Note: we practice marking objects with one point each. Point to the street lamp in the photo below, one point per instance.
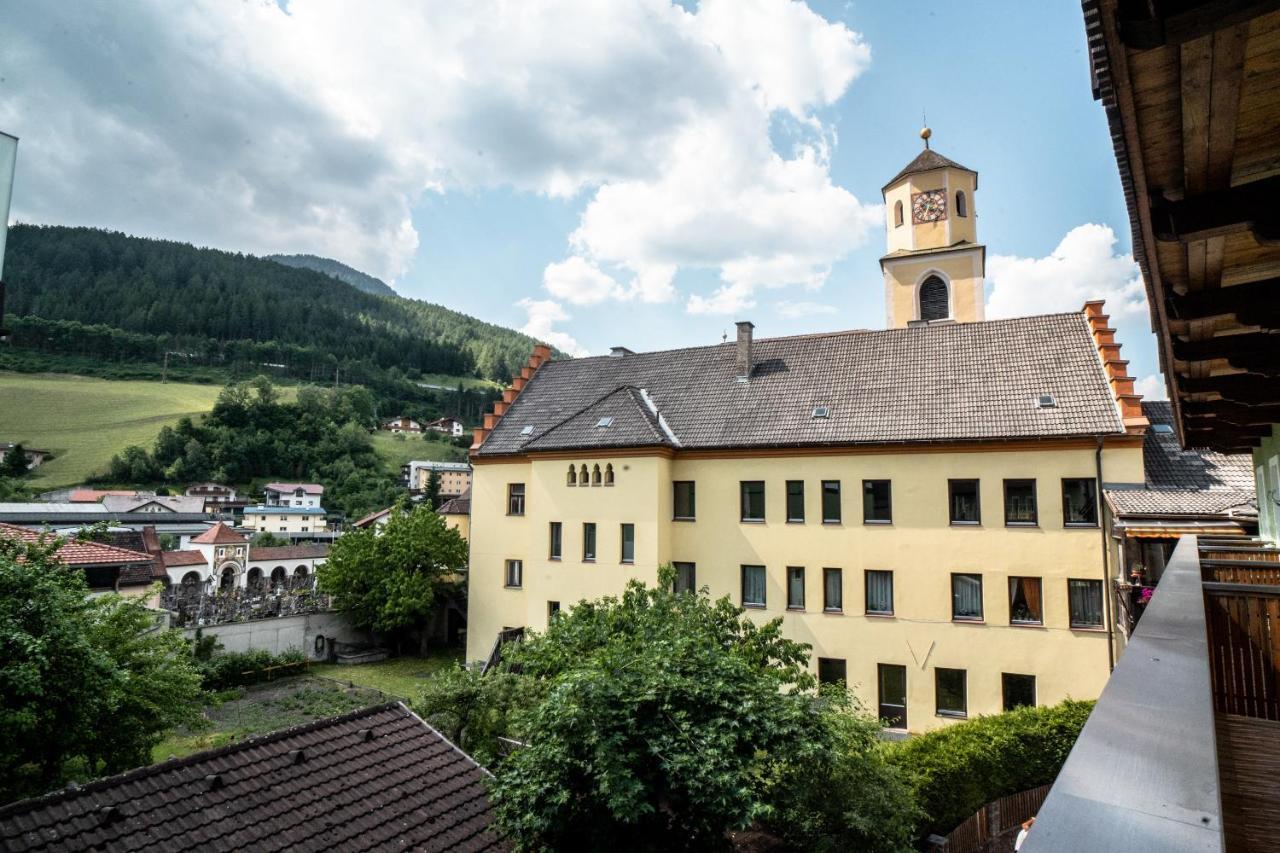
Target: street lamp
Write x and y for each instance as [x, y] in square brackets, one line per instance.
[8, 161]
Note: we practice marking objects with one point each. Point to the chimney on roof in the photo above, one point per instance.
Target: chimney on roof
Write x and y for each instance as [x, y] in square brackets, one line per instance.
[743, 363]
[619, 352]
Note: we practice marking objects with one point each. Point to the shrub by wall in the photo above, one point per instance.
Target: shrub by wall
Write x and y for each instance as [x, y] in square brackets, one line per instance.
[957, 770]
[234, 669]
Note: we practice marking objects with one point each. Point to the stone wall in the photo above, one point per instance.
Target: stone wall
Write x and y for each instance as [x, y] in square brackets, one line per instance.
[314, 633]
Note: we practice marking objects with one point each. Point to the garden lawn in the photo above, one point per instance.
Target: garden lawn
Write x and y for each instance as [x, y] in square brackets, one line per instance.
[395, 677]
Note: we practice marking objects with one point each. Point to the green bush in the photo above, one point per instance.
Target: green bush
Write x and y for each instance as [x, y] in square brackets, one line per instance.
[235, 669]
[957, 770]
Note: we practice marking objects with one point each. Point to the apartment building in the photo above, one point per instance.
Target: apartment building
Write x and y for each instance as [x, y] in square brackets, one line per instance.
[920, 504]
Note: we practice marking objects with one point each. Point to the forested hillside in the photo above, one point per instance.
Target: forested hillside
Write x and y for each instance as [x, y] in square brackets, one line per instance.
[92, 294]
[340, 271]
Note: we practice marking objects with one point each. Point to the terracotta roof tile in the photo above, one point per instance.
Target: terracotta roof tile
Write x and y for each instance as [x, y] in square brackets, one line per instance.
[405, 787]
[75, 553]
[219, 534]
[289, 552]
[175, 559]
[944, 382]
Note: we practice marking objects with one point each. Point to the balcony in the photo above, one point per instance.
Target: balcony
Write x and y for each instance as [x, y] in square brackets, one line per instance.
[1182, 751]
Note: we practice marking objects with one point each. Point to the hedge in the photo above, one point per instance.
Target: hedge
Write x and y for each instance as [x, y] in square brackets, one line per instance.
[957, 770]
[234, 669]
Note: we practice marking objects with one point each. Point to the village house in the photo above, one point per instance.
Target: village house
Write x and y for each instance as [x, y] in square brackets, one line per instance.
[401, 424]
[216, 496]
[308, 495]
[920, 504]
[107, 568]
[35, 457]
[284, 519]
[455, 477]
[153, 504]
[457, 513]
[449, 426]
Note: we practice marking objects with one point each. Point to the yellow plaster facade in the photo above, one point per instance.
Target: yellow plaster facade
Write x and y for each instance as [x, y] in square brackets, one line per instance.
[921, 547]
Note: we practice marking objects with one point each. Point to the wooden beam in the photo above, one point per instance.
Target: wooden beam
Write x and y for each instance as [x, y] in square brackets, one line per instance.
[1246, 388]
[1241, 350]
[1253, 304]
[1217, 213]
[1148, 24]
[1235, 413]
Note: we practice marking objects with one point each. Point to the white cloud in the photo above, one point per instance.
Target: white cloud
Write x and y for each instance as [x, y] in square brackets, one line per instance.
[250, 127]
[543, 314]
[1152, 387]
[1083, 267]
[796, 310]
[580, 282]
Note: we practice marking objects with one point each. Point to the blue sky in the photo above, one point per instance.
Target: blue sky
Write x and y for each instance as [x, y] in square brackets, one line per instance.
[599, 173]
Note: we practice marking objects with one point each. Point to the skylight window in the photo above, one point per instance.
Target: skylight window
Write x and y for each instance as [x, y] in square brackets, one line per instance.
[1046, 401]
[604, 422]
[821, 411]
[527, 430]
[1164, 429]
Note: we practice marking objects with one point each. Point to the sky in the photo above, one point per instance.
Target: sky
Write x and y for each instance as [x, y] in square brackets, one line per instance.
[639, 173]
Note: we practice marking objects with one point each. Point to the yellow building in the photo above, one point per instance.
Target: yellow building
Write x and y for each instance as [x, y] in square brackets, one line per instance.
[284, 519]
[920, 504]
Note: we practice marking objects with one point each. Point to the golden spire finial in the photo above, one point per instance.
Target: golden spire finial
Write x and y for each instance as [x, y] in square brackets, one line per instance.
[925, 133]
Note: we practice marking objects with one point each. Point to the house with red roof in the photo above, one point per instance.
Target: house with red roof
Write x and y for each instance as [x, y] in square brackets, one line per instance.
[107, 568]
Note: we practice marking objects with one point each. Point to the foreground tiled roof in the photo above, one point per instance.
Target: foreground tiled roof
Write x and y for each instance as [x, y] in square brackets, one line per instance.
[1169, 466]
[1181, 502]
[926, 161]
[75, 553]
[289, 552]
[942, 382]
[219, 534]
[376, 779]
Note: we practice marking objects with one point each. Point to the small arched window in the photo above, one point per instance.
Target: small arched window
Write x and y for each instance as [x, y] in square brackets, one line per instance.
[897, 213]
[962, 208]
[608, 474]
[583, 477]
[300, 572]
[254, 580]
[933, 299]
[278, 577]
[572, 478]
[191, 579]
[595, 475]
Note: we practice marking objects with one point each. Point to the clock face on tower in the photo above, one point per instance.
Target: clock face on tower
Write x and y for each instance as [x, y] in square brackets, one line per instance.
[929, 206]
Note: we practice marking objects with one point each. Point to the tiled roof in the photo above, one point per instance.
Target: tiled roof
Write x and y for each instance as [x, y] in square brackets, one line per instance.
[926, 161]
[289, 552]
[621, 418]
[174, 559]
[219, 534]
[372, 517]
[942, 382]
[376, 779]
[172, 503]
[308, 488]
[461, 505]
[1181, 502]
[76, 553]
[1169, 466]
[95, 495]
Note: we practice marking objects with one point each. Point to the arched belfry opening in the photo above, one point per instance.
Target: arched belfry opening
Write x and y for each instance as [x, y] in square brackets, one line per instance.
[934, 299]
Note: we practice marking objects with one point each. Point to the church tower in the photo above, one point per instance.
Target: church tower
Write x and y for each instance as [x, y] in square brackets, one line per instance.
[935, 266]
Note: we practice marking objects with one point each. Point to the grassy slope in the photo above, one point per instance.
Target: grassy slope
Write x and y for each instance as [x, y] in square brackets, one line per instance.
[85, 421]
[395, 452]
